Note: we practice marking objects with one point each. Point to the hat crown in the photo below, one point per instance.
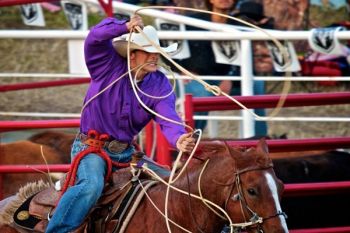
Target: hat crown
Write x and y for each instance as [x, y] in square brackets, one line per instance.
[141, 40]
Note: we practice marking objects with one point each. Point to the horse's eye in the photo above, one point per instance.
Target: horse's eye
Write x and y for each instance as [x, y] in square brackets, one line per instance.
[251, 192]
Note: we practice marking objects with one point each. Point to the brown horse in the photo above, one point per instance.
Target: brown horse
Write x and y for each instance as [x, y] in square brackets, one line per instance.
[62, 142]
[26, 153]
[58, 140]
[241, 182]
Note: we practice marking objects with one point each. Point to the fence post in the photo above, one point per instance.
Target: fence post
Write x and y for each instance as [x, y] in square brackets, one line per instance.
[149, 130]
[76, 57]
[163, 155]
[247, 124]
[189, 110]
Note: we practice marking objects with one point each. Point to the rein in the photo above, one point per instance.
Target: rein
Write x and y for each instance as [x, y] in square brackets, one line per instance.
[255, 219]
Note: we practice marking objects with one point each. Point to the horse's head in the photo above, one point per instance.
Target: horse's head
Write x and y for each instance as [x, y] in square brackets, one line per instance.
[250, 191]
[255, 195]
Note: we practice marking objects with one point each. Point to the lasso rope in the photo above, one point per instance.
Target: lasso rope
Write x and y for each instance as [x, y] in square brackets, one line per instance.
[48, 173]
[214, 89]
[135, 91]
[153, 174]
[72, 174]
[151, 96]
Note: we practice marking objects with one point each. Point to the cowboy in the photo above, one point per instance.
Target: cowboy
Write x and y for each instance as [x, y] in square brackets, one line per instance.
[113, 110]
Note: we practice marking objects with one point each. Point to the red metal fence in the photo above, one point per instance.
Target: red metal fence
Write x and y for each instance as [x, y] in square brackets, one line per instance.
[203, 104]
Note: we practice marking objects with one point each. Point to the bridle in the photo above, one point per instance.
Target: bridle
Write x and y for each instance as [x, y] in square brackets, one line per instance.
[255, 220]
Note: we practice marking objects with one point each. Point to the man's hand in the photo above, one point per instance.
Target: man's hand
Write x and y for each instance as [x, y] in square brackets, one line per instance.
[186, 142]
[134, 21]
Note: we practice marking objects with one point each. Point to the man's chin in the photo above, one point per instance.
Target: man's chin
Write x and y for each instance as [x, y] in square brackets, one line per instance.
[151, 68]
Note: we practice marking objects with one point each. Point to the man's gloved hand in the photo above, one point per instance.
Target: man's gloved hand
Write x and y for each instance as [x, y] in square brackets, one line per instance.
[186, 142]
[135, 20]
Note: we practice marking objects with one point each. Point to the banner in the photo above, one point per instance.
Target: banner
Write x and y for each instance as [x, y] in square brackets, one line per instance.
[323, 40]
[183, 50]
[32, 15]
[76, 14]
[227, 52]
[279, 60]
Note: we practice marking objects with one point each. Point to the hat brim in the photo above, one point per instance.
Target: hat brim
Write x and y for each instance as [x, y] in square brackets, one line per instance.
[121, 46]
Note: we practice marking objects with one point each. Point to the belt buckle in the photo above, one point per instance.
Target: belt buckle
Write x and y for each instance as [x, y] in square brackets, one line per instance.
[116, 147]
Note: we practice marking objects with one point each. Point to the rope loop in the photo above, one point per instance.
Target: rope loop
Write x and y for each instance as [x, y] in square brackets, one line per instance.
[214, 89]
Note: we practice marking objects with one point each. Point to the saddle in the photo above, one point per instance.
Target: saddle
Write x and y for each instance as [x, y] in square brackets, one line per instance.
[107, 215]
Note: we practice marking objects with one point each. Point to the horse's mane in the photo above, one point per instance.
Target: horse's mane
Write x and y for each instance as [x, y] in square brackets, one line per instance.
[252, 157]
[245, 157]
[6, 214]
[211, 148]
[256, 137]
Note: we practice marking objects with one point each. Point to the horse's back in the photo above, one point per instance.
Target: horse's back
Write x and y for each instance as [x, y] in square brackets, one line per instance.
[57, 140]
[28, 153]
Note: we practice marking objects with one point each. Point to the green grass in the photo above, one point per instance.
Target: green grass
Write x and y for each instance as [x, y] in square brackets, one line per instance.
[10, 18]
[324, 16]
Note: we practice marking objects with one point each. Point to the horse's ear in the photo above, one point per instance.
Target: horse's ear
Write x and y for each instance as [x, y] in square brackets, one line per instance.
[262, 147]
[208, 149]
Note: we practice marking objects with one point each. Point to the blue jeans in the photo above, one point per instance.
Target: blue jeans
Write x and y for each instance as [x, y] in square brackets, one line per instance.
[260, 126]
[77, 201]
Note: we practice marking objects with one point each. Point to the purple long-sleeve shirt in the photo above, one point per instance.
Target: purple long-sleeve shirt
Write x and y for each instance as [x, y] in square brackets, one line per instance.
[117, 111]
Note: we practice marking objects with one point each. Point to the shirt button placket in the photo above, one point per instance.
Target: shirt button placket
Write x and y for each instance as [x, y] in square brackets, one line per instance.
[125, 115]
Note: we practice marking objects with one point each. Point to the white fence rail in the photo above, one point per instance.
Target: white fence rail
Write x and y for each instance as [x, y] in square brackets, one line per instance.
[223, 32]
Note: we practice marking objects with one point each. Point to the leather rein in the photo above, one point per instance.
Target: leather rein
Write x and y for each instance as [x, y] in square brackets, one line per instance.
[255, 220]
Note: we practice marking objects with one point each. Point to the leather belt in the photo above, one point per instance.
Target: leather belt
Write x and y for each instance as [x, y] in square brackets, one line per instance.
[113, 146]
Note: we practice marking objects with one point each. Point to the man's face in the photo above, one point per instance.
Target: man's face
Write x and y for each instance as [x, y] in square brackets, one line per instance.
[141, 57]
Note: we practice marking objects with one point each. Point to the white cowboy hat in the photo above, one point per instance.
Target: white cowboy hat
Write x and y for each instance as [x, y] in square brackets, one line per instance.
[139, 42]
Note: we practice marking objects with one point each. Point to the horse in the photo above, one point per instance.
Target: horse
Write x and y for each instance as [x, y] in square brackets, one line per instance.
[60, 141]
[28, 153]
[240, 181]
[323, 167]
[319, 211]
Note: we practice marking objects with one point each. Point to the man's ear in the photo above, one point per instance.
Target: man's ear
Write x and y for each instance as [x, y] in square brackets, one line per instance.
[132, 55]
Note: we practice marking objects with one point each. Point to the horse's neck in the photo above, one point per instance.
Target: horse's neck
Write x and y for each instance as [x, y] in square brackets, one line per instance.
[199, 181]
